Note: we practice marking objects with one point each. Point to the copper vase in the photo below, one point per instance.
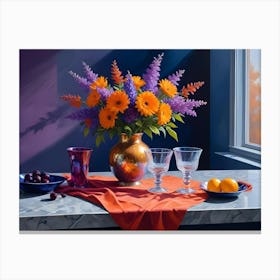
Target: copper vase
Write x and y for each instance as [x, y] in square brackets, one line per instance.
[128, 159]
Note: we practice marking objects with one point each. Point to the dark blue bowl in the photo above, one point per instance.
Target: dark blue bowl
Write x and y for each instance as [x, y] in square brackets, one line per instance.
[241, 188]
[28, 187]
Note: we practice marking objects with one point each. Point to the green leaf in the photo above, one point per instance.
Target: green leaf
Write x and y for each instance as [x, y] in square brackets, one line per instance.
[178, 118]
[86, 131]
[111, 134]
[148, 132]
[99, 138]
[154, 129]
[139, 123]
[172, 133]
[162, 129]
[127, 128]
[172, 125]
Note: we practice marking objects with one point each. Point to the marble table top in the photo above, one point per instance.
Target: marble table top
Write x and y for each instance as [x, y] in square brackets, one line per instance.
[37, 212]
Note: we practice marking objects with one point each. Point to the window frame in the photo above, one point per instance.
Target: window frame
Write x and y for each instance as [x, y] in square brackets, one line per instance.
[239, 97]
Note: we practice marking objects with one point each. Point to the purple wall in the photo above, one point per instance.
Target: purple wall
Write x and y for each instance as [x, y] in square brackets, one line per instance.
[45, 134]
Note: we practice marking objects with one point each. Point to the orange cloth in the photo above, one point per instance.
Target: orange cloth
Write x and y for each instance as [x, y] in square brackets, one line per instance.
[133, 207]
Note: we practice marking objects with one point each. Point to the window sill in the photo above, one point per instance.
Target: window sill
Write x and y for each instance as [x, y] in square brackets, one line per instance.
[245, 152]
[239, 158]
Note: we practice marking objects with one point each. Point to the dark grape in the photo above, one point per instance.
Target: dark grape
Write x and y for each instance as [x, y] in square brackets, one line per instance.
[45, 180]
[53, 195]
[45, 176]
[27, 178]
[36, 178]
[36, 172]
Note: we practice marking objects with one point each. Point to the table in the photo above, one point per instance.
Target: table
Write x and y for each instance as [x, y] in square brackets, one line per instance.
[38, 213]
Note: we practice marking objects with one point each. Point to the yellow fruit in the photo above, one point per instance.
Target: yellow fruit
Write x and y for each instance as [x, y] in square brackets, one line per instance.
[229, 185]
[214, 185]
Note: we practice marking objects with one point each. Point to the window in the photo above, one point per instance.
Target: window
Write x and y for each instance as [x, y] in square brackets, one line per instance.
[245, 138]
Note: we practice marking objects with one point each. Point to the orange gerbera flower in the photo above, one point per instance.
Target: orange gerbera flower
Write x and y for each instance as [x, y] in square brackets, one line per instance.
[93, 98]
[107, 118]
[138, 82]
[164, 114]
[167, 88]
[100, 82]
[74, 100]
[147, 103]
[118, 101]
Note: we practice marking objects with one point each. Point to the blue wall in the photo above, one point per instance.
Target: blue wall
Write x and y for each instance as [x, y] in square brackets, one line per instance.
[219, 101]
[45, 133]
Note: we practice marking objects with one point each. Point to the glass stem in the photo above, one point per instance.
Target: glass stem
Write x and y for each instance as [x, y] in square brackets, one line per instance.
[187, 177]
[158, 180]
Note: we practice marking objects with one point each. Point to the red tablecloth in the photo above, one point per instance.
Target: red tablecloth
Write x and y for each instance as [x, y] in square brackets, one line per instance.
[133, 207]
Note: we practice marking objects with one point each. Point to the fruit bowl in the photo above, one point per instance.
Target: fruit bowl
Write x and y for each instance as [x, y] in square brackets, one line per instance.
[30, 187]
[241, 188]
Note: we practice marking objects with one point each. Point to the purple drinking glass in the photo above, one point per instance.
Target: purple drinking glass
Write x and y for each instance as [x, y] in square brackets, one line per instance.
[79, 162]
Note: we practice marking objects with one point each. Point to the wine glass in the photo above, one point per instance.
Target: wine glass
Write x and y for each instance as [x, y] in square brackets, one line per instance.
[158, 164]
[187, 159]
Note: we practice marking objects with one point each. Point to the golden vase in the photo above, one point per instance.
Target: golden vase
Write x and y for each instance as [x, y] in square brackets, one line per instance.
[128, 159]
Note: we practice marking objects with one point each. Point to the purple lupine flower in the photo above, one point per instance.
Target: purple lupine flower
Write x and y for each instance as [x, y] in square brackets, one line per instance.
[91, 76]
[104, 93]
[176, 103]
[83, 82]
[86, 113]
[130, 115]
[175, 78]
[130, 89]
[152, 74]
[184, 106]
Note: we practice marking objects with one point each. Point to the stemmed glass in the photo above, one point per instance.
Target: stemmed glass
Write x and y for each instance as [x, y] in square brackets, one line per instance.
[187, 159]
[158, 164]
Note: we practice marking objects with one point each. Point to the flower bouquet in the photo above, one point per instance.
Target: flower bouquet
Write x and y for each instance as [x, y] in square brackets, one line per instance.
[129, 104]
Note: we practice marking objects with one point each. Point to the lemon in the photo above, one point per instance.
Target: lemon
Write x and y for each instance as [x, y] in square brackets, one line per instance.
[214, 185]
[229, 185]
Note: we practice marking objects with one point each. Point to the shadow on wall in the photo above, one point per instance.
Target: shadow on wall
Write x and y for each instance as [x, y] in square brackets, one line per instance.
[45, 133]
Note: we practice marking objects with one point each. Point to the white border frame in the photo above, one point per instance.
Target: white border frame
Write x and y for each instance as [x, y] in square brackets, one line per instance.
[145, 24]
